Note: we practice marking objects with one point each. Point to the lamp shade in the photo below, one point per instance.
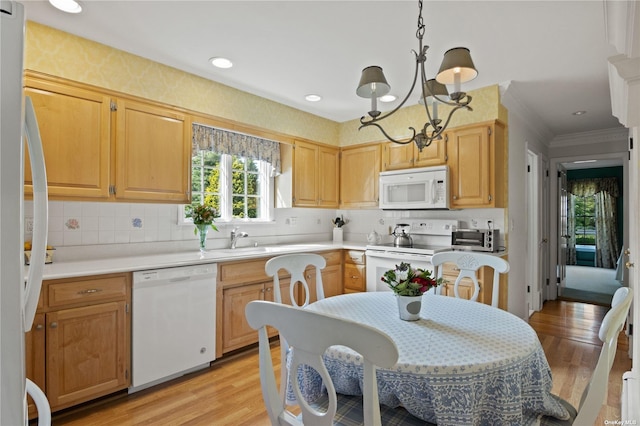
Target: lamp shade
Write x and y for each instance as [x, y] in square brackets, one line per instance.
[373, 84]
[431, 88]
[457, 61]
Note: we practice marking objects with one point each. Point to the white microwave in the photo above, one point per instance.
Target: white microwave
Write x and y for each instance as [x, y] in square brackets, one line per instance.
[415, 189]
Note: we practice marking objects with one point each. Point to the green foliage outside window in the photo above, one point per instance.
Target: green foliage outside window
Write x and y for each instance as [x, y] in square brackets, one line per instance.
[585, 220]
[208, 188]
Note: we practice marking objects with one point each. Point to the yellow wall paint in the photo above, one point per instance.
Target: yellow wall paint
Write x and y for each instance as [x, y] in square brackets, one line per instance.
[485, 103]
[64, 55]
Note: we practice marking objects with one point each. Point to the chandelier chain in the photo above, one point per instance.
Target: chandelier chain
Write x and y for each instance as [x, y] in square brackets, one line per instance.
[420, 31]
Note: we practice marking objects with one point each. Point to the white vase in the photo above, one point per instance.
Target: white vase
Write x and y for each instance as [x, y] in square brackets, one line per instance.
[337, 235]
[409, 307]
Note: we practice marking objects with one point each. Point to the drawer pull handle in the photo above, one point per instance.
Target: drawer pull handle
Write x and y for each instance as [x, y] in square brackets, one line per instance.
[54, 325]
[353, 277]
[39, 327]
[90, 291]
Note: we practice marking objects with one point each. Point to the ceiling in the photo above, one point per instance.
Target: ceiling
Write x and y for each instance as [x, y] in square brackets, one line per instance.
[554, 53]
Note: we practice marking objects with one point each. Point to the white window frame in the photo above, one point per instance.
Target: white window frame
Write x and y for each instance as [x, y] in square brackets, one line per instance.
[226, 195]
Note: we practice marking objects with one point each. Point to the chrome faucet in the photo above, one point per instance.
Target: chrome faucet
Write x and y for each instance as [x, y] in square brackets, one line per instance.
[235, 236]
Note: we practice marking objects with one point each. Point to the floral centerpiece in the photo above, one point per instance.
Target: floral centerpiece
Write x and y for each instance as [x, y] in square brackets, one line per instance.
[203, 216]
[406, 281]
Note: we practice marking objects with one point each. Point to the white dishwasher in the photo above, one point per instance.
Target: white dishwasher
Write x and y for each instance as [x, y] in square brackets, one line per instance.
[174, 323]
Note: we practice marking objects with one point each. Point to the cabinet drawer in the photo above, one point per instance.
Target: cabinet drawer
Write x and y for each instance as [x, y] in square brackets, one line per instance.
[354, 277]
[450, 272]
[332, 257]
[86, 291]
[242, 272]
[354, 256]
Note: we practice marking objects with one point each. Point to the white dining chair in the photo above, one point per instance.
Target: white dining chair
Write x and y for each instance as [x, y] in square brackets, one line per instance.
[595, 393]
[468, 264]
[310, 334]
[296, 264]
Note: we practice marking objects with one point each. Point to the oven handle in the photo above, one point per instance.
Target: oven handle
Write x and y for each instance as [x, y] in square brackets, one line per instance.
[397, 255]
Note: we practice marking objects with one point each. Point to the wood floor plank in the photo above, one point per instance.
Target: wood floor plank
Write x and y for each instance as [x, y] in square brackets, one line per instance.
[228, 393]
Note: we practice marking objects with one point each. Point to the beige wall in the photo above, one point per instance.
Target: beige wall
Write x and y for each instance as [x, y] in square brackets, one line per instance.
[64, 55]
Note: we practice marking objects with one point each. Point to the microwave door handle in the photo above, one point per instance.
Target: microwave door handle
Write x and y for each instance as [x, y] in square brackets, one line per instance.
[433, 191]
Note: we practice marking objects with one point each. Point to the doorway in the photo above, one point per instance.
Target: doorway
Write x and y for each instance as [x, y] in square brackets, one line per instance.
[585, 268]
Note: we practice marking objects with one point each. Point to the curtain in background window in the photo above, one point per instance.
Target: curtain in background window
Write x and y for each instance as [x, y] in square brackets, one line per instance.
[606, 229]
[572, 258]
[605, 190]
[226, 142]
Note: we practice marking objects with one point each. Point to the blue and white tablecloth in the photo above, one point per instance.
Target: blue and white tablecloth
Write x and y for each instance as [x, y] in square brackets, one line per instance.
[462, 363]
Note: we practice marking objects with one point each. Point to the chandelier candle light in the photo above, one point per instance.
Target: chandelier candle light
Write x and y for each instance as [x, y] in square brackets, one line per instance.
[456, 68]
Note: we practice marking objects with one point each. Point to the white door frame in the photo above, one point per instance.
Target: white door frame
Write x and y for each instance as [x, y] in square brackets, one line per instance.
[534, 238]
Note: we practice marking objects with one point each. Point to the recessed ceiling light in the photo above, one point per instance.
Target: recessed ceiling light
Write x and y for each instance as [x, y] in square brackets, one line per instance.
[584, 161]
[69, 6]
[220, 62]
[579, 112]
[388, 98]
[313, 98]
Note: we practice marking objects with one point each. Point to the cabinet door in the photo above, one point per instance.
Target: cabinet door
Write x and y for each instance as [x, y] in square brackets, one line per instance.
[471, 171]
[153, 153]
[305, 182]
[433, 155]
[328, 177]
[397, 156]
[86, 353]
[359, 170]
[75, 130]
[235, 329]
[35, 357]
[332, 280]
[465, 290]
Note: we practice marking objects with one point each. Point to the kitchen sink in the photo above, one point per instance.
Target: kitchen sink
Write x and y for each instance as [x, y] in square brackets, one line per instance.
[243, 250]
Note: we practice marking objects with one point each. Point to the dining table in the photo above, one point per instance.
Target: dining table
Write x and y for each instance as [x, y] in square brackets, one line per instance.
[460, 363]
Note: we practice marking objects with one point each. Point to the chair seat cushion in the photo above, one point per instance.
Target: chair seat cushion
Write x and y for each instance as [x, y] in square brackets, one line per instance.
[349, 412]
[552, 421]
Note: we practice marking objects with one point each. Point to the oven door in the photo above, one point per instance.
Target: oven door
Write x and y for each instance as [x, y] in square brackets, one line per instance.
[380, 261]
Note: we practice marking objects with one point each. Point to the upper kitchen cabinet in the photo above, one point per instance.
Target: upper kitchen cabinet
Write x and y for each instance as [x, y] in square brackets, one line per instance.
[477, 165]
[359, 170]
[75, 130]
[106, 146]
[405, 156]
[153, 153]
[316, 171]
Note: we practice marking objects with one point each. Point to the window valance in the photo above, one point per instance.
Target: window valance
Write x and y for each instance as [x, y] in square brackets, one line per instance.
[226, 142]
[589, 187]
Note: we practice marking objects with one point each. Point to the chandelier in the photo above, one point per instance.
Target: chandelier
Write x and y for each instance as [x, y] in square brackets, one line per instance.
[456, 68]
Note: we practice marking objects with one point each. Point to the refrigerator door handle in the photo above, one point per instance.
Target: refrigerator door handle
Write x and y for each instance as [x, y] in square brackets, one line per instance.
[40, 214]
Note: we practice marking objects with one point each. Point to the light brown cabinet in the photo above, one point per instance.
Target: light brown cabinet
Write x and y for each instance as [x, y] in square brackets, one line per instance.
[359, 170]
[316, 177]
[103, 146]
[397, 156]
[354, 271]
[79, 346]
[465, 290]
[477, 165]
[241, 282]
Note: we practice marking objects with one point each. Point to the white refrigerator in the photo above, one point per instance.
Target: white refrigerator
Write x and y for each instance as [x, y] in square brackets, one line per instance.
[18, 299]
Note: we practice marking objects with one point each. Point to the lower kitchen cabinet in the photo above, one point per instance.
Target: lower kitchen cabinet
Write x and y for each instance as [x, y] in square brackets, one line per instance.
[244, 281]
[465, 289]
[79, 346]
[354, 271]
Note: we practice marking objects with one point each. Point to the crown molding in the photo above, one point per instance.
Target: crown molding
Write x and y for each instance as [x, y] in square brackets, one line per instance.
[511, 99]
[617, 134]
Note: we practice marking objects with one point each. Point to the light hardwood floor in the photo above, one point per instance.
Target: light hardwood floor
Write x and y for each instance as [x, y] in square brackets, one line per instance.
[229, 392]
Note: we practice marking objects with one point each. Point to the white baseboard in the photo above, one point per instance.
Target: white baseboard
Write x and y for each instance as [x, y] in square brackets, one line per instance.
[630, 398]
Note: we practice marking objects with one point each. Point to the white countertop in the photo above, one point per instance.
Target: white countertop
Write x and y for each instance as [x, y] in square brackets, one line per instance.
[68, 269]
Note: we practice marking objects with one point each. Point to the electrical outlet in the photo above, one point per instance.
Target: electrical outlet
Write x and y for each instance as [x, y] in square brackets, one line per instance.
[28, 225]
[293, 221]
[474, 223]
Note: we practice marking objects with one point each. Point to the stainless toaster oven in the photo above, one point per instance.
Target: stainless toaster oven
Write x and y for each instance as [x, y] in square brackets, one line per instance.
[475, 239]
